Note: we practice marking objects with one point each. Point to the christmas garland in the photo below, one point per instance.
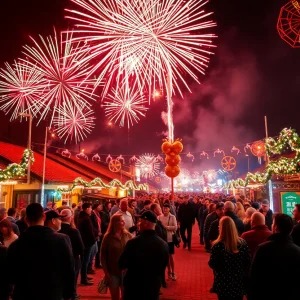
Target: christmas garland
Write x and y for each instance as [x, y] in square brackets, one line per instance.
[98, 181]
[17, 170]
[288, 138]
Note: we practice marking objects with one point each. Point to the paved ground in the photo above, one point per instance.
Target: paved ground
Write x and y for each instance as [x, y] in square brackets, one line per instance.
[194, 277]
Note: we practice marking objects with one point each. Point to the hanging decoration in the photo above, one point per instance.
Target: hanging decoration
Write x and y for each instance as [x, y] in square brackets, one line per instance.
[258, 149]
[148, 165]
[108, 159]
[133, 159]
[228, 163]
[96, 157]
[191, 156]
[66, 153]
[81, 155]
[288, 24]
[114, 165]
[235, 149]
[17, 170]
[248, 146]
[121, 158]
[130, 184]
[172, 151]
[204, 154]
[218, 151]
[288, 138]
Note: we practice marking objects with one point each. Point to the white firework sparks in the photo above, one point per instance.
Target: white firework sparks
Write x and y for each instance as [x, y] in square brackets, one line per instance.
[148, 165]
[73, 123]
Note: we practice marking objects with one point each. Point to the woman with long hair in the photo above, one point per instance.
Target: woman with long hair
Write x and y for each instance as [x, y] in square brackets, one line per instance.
[112, 246]
[7, 232]
[230, 259]
[240, 211]
[247, 220]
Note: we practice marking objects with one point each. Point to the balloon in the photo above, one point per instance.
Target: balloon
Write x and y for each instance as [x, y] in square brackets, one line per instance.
[177, 147]
[172, 160]
[166, 147]
[171, 171]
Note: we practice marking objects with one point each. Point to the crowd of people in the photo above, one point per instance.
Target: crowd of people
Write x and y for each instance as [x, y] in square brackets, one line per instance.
[46, 252]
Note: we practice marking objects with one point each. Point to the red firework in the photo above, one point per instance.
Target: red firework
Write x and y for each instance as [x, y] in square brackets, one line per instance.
[288, 25]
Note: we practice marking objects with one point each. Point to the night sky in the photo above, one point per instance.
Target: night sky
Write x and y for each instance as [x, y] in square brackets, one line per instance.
[253, 73]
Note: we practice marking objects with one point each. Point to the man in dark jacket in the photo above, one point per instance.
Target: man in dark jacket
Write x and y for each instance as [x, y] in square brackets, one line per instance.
[41, 264]
[267, 212]
[145, 257]
[186, 220]
[276, 264]
[296, 229]
[76, 242]
[215, 215]
[85, 227]
[4, 282]
[258, 234]
[213, 232]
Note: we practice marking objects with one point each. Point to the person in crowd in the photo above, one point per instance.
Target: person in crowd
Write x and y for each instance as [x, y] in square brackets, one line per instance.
[4, 215]
[64, 205]
[230, 260]
[73, 206]
[255, 205]
[77, 212]
[7, 233]
[53, 220]
[115, 208]
[76, 242]
[296, 229]
[213, 232]
[267, 212]
[147, 205]
[203, 212]
[214, 215]
[54, 206]
[4, 282]
[96, 220]
[113, 245]
[126, 215]
[258, 234]
[145, 258]
[21, 223]
[49, 206]
[41, 264]
[276, 264]
[186, 220]
[240, 211]
[105, 217]
[170, 224]
[85, 228]
[161, 231]
[246, 205]
[247, 220]
[133, 209]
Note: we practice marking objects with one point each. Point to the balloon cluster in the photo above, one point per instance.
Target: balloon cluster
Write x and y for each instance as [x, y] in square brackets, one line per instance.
[172, 159]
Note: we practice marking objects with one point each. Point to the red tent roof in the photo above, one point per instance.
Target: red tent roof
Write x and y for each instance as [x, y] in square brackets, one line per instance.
[55, 172]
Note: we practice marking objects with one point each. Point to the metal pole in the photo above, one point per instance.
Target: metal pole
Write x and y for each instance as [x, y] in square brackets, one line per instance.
[29, 147]
[270, 188]
[44, 168]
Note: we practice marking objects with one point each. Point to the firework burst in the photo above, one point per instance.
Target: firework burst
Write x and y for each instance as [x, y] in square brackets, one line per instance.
[125, 106]
[147, 39]
[58, 62]
[148, 165]
[73, 123]
[20, 89]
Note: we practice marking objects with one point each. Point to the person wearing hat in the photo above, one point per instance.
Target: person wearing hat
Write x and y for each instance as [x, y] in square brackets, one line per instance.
[267, 212]
[53, 220]
[76, 242]
[145, 257]
[41, 264]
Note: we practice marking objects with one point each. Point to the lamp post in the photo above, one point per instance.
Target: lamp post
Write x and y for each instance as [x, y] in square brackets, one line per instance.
[29, 142]
[44, 165]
